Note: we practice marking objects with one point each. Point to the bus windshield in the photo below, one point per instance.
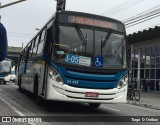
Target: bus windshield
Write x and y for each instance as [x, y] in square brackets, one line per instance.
[5, 66]
[91, 43]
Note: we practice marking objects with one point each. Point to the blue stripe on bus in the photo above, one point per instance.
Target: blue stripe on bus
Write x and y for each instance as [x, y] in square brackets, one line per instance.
[84, 80]
[52, 65]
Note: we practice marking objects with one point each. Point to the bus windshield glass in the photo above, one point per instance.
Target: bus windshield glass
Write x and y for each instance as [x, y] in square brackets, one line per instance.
[88, 44]
[5, 66]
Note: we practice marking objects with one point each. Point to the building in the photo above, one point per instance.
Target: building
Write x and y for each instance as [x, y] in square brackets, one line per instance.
[145, 58]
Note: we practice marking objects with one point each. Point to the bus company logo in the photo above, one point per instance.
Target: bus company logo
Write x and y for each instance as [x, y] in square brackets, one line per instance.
[6, 119]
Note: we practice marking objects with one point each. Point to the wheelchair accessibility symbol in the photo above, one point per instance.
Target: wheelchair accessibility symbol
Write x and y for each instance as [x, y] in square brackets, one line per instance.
[98, 61]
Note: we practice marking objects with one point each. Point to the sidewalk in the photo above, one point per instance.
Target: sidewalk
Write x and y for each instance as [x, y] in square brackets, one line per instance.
[148, 100]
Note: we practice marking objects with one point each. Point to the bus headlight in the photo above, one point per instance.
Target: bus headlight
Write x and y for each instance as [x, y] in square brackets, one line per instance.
[53, 74]
[123, 81]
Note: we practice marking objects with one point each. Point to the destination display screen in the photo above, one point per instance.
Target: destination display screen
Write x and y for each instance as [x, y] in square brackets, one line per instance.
[92, 22]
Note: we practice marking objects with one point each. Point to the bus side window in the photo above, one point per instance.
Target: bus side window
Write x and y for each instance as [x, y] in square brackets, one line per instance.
[41, 44]
[34, 50]
[40, 47]
[30, 50]
[27, 56]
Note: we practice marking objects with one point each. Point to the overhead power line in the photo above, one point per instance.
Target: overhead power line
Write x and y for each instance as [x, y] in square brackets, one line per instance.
[142, 21]
[6, 5]
[122, 7]
[19, 36]
[142, 17]
[142, 14]
[20, 33]
[112, 9]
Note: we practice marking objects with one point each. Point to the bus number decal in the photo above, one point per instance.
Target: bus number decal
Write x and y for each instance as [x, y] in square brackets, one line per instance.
[80, 60]
[72, 81]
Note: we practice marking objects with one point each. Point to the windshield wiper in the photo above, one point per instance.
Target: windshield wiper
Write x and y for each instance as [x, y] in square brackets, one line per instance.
[104, 42]
[82, 38]
[80, 34]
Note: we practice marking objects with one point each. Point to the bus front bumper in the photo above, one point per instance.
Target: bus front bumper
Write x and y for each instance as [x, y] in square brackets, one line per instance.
[73, 94]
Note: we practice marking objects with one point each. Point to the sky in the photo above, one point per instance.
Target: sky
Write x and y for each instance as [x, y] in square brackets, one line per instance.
[22, 19]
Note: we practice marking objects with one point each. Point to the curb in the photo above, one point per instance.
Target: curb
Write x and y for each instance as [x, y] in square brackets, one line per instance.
[141, 104]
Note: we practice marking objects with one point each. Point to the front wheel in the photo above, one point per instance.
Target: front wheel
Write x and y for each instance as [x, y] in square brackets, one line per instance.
[94, 105]
[136, 95]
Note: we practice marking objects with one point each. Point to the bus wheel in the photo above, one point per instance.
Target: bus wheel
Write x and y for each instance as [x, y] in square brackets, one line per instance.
[19, 84]
[94, 105]
[39, 99]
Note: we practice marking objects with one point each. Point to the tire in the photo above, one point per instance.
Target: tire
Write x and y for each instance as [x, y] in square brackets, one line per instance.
[136, 95]
[39, 100]
[4, 82]
[94, 105]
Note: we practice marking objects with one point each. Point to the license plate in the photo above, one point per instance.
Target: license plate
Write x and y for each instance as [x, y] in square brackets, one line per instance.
[91, 94]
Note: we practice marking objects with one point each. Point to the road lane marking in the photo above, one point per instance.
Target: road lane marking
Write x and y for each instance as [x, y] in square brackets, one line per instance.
[14, 109]
[111, 109]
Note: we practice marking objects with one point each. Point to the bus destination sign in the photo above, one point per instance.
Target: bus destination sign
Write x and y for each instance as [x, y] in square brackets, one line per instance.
[92, 22]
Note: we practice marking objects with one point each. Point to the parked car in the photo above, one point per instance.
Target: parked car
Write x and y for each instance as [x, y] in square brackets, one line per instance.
[12, 76]
[4, 78]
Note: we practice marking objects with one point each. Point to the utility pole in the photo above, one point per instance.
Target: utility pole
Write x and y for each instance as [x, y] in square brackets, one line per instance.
[60, 5]
[6, 5]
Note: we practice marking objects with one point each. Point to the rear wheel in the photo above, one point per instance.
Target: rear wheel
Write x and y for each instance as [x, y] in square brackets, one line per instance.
[94, 105]
[136, 95]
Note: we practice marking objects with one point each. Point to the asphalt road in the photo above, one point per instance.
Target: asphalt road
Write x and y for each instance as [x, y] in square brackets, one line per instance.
[80, 114]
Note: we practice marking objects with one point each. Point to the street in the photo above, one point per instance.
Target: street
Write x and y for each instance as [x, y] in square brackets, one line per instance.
[23, 104]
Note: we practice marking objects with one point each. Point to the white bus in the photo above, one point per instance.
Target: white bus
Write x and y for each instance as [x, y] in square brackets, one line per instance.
[5, 70]
[76, 57]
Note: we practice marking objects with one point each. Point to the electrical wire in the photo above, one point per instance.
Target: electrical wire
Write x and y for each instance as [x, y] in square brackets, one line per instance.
[124, 8]
[20, 33]
[119, 9]
[143, 21]
[133, 17]
[142, 16]
[112, 9]
[19, 36]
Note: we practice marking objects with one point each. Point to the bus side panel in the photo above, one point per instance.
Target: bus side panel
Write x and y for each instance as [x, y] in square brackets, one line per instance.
[39, 69]
[34, 68]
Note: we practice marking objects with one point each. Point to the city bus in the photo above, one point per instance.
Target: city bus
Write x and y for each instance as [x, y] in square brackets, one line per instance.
[76, 57]
[5, 70]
